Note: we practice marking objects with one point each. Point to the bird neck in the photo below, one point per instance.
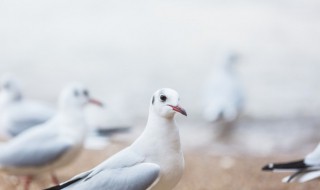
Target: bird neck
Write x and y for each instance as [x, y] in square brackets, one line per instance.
[156, 122]
[71, 109]
[72, 115]
[72, 123]
[160, 133]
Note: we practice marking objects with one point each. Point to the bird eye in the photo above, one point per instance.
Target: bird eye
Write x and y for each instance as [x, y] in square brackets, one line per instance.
[76, 93]
[86, 93]
[163, 98]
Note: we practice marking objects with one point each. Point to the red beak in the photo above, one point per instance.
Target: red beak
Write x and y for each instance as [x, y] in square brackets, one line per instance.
[179, 109]
[96, 102]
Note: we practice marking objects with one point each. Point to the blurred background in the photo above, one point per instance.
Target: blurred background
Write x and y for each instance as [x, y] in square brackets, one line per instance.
[125, 50]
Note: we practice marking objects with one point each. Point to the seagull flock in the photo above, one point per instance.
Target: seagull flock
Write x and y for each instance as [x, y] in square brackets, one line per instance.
[38, 139]
[42, 140]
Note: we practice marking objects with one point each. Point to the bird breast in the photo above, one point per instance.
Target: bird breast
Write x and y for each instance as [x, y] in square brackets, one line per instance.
[171, 171]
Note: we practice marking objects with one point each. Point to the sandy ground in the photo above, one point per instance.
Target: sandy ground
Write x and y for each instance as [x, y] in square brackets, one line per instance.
[214, 163]
[203, 172]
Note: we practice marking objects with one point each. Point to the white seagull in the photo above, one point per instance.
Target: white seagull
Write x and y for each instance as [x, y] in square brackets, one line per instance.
[18, 114]
[51, 145]
[304, 170]
[154, 161]
[223, 95]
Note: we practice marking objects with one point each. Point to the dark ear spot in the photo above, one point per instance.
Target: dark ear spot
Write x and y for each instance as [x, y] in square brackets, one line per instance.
[152, 100]
[86, 93]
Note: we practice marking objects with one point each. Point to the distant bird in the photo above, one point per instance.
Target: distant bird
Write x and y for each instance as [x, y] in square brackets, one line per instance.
[51, 145]
[104, 124]
[223, 95]
[154, 161]
[17, 113]
[304, 170]
[98, 139]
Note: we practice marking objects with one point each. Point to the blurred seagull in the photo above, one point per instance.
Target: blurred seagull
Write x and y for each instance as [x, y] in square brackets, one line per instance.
[305, 170]
[103, 124]
[223, 96]
[18, 114]
[154, 161]
[51, 145]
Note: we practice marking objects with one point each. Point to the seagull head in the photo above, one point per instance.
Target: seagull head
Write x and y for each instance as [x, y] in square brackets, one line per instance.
[165, 102]
[10, 89]
[76, 96]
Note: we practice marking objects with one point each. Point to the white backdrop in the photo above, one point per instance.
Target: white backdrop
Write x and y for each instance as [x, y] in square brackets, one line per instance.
[126, 50]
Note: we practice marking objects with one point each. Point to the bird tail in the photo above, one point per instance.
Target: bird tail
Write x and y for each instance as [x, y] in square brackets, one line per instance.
[282, 167]
[70, 182]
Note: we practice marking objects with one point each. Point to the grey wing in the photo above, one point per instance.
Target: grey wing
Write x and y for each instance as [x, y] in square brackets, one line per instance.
[138, 177]
[18, 126]
[302, 176]
[34, 148]
[26, 115]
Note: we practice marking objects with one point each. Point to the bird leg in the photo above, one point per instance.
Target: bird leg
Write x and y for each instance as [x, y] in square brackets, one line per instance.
[27, 181]
[54, 179]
